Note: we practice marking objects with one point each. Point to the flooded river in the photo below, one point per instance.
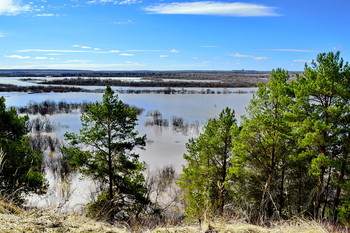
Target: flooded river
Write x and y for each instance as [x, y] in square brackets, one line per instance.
[165, 146]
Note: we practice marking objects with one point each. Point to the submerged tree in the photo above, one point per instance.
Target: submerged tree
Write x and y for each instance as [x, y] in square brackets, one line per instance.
[205, 175]
[104, 150]
[20, 166]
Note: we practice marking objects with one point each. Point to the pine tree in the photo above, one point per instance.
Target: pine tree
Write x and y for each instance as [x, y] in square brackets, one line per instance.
[104, 151]
[20, 166]
[205, 176]
[322, 97]
[262, 150]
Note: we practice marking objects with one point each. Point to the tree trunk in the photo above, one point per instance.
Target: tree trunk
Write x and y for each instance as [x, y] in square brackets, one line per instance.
[281, 193]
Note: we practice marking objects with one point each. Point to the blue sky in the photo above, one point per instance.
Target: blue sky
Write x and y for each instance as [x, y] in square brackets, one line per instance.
[170, 35]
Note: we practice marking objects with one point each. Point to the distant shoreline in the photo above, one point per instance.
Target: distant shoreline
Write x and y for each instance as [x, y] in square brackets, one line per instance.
[74, 81]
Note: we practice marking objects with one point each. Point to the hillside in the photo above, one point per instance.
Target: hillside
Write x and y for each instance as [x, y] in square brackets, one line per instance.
[14, 219]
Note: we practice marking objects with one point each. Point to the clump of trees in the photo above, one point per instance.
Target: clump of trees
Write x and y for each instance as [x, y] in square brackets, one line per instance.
[224, 83]
[20, 165]
[39, 89]
[289, 157]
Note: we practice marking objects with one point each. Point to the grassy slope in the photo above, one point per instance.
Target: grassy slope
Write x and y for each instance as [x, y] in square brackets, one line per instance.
[13, 219]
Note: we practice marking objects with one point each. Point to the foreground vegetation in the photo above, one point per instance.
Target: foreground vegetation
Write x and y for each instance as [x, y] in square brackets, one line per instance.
[14, 219]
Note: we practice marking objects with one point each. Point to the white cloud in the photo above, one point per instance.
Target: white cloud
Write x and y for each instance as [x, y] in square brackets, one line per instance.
[89, 66]
[63, 50]
[260, 58]
[249, 56]
[114, 51]
[301, 60]
[240, 55]
[2, 35]
[163, 56]
[44, 58]
[128, 2]
[81, 46]
[126, 54]
[338, 48]
[41, 58]
[124, 22]
[124, 2]
[46, 15]
[12, 7]
[174, 51]
[293, 50]
[52, 50]
[27, 57]
[237, 9]
[17, 56]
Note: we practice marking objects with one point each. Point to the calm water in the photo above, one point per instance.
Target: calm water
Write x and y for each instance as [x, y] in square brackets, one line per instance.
[165, 146]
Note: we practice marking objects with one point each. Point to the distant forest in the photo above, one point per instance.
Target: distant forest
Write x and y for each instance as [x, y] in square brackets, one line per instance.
[145, 73]
[205, 75]
[165, 79]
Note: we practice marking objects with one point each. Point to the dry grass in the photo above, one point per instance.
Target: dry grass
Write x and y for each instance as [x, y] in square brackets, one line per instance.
[298, 226]
[14, 219]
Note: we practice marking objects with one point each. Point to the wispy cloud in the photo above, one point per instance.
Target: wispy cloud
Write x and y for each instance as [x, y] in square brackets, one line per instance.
[293, 50]
[17, 56]
[89, 66]
[174, 51]
[209, 46]
[128, 2]
[260, 58]
[126, 54]
[46, 15]
[64, 51]
[302, 61]
[82, 46]
[12, 7]
[239, 55]
[236, 9]
[44, 58]
[124, 22]
[335, 47]
[163, 56]
[28, 57]
[124, 2]
[249, 56]
[2, 35]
